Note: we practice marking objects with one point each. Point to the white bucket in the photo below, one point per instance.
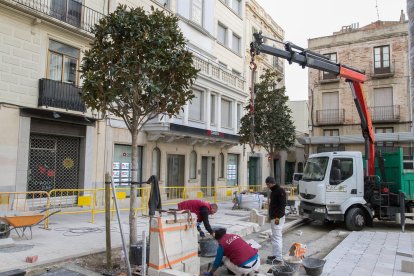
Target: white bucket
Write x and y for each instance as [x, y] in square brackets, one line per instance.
[250, 201]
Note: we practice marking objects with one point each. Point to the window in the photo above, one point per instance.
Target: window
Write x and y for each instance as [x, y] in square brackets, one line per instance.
[232, 169]
[331, 132]
[236, 43]
[236, 72]
[382, 59]
[341, 170]
[330, 112]
[221, 165]
[222, 65]
[156, 162]
[63, 62]
[226, 114]
[195, 110]
[197, 11]
[327, 75]
[193, 165]
[384, 145]
[239, 114]
[212, 109]
[237, 7]
[122, 165]
[69, 11]
[164, 3]
[222, 34]
[383, 109]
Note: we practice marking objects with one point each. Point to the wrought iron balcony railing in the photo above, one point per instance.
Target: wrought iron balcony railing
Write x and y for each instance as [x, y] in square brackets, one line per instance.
[389, 113]
[330, 116]
[60, 95]
[72, 12]
[213, 70]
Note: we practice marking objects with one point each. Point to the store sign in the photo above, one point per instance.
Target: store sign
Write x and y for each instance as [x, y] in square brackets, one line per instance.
[215, 133]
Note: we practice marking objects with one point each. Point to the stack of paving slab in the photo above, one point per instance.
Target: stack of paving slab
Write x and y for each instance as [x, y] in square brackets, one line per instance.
[180, 245]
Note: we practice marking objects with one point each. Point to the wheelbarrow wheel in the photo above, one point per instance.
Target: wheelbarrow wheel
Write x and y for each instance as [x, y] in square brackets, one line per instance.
[4, 230]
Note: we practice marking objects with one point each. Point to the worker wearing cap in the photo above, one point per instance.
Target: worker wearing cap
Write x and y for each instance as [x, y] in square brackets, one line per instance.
[202, 209]
[236, 254]
[277, 207]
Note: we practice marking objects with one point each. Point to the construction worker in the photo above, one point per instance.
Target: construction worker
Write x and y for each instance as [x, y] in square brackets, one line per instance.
[237, 255]
[202, 209]
[277, 207]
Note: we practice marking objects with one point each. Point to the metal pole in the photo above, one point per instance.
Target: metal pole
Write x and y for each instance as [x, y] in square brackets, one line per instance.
[120, 230]
[144, 254]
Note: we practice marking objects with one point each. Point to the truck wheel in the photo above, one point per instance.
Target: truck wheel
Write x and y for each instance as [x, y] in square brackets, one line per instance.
[355, 219]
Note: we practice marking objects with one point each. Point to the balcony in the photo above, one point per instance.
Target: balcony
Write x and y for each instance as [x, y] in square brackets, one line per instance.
[214, 71]
[389, 113]
[60, 95]
[330, 116]
[383, 72]
[71, 12]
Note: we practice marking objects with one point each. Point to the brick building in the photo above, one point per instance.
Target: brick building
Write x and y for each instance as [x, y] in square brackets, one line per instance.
[381, 50]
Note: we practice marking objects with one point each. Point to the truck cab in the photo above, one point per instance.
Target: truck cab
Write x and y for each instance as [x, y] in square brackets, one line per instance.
[332, 185]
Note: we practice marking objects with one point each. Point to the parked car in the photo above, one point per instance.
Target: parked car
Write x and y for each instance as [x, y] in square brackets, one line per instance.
[296, 178]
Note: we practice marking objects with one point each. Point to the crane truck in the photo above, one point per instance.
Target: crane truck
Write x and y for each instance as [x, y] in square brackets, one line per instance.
[347, 185]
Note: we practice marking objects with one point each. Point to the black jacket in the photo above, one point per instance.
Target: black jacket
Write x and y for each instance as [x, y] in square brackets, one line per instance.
[277, 202]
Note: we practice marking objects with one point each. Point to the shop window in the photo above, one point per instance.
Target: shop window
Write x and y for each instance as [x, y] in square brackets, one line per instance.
[232, 169]
[122, 165]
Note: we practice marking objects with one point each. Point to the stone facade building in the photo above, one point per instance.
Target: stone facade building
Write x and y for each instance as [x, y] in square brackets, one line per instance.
[381, 50]
[50, 140]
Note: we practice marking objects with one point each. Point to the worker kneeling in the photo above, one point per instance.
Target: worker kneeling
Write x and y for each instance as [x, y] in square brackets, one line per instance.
[239, 256]
[202, 209]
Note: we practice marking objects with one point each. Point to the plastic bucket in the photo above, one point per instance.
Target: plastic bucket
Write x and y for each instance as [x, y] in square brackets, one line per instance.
[208, 247]
[283, 270]
[313, 266]
[293, 262]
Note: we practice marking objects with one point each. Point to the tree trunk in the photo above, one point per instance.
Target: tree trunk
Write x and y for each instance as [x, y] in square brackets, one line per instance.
[271, 165]
[133, 197]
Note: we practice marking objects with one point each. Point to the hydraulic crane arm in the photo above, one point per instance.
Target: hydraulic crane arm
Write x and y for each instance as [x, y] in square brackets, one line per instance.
[306, 58]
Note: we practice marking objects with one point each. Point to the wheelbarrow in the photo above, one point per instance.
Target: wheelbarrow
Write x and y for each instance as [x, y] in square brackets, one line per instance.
[20, 223]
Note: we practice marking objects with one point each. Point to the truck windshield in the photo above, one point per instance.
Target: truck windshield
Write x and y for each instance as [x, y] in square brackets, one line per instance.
[315, 169]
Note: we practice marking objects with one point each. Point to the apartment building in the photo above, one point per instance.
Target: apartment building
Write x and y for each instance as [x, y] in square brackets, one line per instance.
[50, 140]
[47, 135]
[381, 50]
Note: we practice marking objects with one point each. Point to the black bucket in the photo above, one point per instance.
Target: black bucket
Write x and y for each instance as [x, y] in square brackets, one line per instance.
[284, 270]
[208, 247]
[136, 254]
[313, 266]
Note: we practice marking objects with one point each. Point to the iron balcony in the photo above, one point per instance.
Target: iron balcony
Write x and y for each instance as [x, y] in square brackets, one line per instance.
[389, 113]
[60, 95]
[330, 116]
[69, 11]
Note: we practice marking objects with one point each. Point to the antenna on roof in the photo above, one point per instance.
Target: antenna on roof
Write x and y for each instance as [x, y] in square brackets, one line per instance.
[376, 6]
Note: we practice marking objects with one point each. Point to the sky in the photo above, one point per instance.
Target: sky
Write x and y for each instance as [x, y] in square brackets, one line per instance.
[304, 19]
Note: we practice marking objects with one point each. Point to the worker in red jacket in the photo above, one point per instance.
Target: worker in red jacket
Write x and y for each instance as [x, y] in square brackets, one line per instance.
[237, 255]
[202, 209]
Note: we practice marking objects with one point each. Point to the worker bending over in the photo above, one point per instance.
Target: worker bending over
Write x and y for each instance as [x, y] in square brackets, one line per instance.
[237, 255]
[202, 209]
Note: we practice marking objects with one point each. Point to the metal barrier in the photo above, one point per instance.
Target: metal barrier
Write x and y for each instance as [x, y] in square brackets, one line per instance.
[17, 203]
[78, 201]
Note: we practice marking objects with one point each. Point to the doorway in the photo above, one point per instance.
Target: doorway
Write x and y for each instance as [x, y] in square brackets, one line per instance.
[207, 175]
[254, 171]
[175, 175]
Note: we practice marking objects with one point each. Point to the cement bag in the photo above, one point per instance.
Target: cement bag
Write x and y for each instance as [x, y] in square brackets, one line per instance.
[250, 201]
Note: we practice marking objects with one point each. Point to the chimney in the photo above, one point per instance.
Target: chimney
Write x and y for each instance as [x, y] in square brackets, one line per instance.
[402, 17]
